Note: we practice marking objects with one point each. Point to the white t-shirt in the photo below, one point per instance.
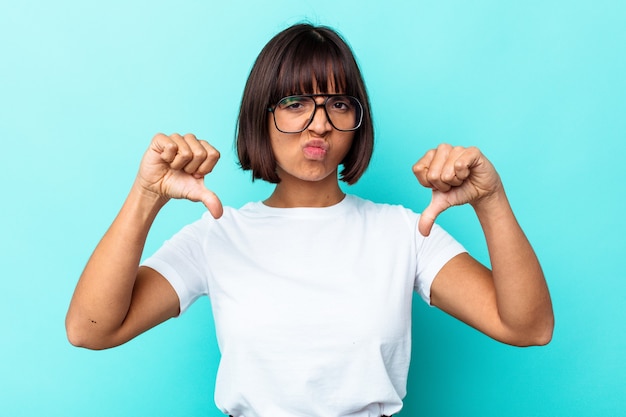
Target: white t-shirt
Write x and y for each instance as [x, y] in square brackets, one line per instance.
[312, 306]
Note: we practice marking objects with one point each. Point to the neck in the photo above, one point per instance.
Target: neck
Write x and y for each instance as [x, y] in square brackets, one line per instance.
[290, 193]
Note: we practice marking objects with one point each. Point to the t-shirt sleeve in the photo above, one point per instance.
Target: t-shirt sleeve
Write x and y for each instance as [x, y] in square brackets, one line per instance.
[180, 261]
[433, 252]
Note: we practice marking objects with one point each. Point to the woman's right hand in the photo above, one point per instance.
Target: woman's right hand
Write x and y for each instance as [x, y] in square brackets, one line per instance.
[174, 166]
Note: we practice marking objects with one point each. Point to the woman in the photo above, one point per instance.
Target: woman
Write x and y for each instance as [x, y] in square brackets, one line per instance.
[311, 289]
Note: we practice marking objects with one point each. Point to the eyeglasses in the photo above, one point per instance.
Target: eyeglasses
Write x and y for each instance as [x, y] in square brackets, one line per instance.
[293, 114]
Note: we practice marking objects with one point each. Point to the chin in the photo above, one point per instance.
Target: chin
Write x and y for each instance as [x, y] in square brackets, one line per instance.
[310, 176]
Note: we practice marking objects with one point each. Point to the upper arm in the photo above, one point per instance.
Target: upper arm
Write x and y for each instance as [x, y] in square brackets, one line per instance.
[153, 301]
[464, 288]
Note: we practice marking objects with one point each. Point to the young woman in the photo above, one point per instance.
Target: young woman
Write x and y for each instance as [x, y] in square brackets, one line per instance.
[311, 289]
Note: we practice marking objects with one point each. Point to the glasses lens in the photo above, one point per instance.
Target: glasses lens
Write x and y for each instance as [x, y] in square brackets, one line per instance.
[344, 112]
[293, 114]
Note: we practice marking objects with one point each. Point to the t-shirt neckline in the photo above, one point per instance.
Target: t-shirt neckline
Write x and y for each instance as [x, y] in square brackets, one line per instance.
[335, 209]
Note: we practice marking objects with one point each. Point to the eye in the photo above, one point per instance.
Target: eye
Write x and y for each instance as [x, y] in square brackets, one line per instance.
[340, 104]
[294, 104]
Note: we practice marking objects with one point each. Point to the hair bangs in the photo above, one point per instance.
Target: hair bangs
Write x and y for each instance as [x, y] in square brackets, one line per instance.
[311, 65]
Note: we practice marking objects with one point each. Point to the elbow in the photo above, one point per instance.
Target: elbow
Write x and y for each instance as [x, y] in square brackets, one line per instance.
[80, 337]
[72, 332]
[539, 339]
[76, 337]
[544, 336]
[545, 331]
[539, 335]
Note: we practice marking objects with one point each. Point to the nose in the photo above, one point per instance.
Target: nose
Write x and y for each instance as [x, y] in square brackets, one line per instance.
[320, 122]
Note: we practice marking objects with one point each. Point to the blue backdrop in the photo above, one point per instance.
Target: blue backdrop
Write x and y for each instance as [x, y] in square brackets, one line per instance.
[539, 86]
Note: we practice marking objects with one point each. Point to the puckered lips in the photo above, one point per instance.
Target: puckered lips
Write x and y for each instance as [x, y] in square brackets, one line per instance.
[315, 149]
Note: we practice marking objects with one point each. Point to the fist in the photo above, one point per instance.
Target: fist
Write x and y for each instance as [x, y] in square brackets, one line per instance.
[174, 166]
[457, 176]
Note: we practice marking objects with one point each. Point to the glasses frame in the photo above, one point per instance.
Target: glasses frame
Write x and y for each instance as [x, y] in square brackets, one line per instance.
[272, 109]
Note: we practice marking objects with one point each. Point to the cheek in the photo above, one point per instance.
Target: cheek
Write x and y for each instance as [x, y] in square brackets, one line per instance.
[284, 147]
[275, 137]
[345, 145]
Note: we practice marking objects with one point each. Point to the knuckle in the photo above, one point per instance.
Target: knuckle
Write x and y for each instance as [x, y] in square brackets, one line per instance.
[432, 176]
[213, 153]
[201, 153]
[459, 165]
[447, 176]
[473, 150]
[185, 154]
[170, 147]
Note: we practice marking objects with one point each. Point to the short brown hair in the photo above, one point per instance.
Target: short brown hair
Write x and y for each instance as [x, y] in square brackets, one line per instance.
[295, 61]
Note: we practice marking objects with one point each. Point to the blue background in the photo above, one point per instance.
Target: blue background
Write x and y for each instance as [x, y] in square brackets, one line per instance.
[539, 86]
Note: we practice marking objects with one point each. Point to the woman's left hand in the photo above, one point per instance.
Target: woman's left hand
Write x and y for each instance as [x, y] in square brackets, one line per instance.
[457, 176]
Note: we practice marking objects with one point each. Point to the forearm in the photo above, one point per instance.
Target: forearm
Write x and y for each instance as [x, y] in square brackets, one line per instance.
[522, 296]
[103, 294]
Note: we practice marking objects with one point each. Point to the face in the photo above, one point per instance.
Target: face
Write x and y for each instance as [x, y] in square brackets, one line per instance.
[311, 155]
